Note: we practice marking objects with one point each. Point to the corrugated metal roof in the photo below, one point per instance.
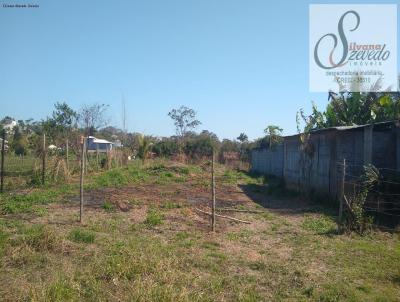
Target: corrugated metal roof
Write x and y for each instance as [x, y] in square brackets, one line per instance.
[100, 140]
[345, 128]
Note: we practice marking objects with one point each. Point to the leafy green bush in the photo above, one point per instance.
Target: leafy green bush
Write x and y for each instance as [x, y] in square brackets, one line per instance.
[356, 218]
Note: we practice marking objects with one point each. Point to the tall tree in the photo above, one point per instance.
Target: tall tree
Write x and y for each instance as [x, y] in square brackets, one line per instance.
[19, 142]
[274, 134]
[92, 117]
[242, 138]
[244, 144]
[58, 127]
[184, 120]
[64, 116]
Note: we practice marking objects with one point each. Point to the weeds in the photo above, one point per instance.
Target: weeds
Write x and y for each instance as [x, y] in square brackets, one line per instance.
[154, 218]
[108, 206]
[239, 177]
[112, 178]
[60, 290]
[319, 225]
[180, 260]
[356, 218]
[38, 237]
[171, 205]
[81, 236]
[16, 204]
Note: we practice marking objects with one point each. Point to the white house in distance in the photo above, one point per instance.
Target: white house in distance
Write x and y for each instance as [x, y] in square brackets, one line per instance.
[5, 144]
[98, 145]
[9, 125]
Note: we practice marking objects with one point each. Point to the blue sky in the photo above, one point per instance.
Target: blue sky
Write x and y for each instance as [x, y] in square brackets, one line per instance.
[240, 64]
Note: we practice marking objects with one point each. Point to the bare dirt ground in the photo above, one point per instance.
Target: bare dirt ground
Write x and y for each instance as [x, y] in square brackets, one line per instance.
[133, 201]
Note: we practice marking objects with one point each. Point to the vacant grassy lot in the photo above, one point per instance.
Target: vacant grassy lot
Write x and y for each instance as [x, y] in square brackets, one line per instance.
[143, 240]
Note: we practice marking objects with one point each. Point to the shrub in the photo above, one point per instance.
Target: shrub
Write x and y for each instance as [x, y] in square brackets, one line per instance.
[356, 218]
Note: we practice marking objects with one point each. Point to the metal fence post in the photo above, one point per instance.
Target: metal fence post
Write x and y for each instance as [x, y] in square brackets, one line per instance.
[3, 149]
[342, 190]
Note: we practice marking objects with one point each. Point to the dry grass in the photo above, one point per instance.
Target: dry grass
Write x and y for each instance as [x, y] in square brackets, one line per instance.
[143, 241]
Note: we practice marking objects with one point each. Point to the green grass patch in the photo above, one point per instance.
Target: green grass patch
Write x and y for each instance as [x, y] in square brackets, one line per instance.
[257, 265]
[3, 240]
[171, 205]
[81, 236]
[18, 203]
[238, 236]
[210, 245]
[108, 206]
[38, 237]
[267, 216]
[240, 177]
[112, 178]
[61, 290]
[319, 225]
[154, 218]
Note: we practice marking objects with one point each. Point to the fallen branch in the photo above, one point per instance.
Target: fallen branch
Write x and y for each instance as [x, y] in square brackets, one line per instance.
[223, 216]
[240, 210]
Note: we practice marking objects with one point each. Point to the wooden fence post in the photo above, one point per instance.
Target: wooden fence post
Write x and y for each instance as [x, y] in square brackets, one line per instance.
[67, 155]
[97, 156]
[3, 150]
[44, 159]
[81, 180]
[342, 190]
[213, 191]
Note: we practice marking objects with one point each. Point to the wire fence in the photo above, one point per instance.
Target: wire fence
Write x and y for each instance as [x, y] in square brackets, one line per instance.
[49, 165]
[380, 197]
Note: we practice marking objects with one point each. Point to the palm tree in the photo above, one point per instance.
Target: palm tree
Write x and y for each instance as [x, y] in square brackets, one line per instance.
[274, 134]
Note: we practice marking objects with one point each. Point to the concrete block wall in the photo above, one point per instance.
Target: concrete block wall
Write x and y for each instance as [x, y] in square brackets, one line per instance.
[268, 161]
[320, 172]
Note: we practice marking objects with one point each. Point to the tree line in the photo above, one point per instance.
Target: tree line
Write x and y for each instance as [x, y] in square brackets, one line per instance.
[67, 125]
[345, 108]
